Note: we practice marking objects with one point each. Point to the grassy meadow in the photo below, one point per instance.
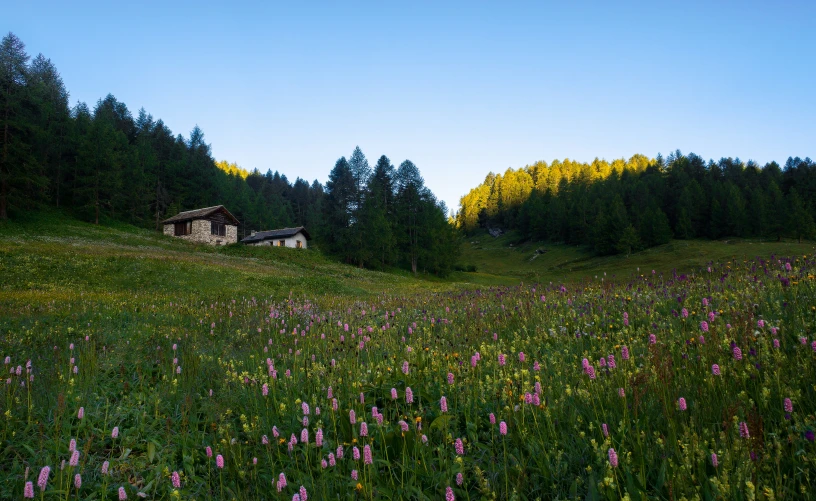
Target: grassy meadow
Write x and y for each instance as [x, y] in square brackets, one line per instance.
[138, 366]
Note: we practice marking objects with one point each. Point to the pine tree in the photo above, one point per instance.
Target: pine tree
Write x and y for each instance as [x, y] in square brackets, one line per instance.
[377, 216]
[409, 205]
[655, 229]
[776, 211]
[19, 172]
[800, 220]
[628, 241]
[340, 201]
[683, 228]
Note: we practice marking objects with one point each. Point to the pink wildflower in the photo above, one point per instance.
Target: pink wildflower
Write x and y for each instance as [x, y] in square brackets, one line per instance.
[42, 480]
[28, 492]
[443, 404]
[77, 481]
[176, 480]
[219, 461]
[788, 405]
[503, 428]
[613, 458]
[459, 446]
[367, 456]
[122, 494]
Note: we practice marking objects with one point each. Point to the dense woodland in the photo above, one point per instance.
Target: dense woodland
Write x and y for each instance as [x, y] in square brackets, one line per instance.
[626, 205]
[104, 163]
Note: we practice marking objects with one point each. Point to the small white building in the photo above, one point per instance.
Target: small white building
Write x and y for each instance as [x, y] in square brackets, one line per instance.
[285, 237]
[211, 225]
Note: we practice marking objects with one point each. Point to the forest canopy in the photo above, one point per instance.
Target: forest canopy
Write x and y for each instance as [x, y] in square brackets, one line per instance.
[626, 205]
[103, 162]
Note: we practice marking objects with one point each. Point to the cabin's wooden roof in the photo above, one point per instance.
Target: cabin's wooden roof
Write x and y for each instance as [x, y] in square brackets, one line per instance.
[200, 214]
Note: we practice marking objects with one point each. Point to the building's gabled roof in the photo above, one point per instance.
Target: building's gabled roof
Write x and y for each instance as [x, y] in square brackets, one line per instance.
[273, 234]
[200, 214]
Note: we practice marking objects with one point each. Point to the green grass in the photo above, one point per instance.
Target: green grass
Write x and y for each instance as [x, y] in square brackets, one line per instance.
[50, 255]
[507, 260]
[184, 347]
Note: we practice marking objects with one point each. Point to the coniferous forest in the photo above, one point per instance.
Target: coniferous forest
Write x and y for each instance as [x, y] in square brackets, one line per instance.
[628, 205]
[103, 163]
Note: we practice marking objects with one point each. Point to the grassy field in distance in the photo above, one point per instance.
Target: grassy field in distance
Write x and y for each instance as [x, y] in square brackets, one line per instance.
[506, 260]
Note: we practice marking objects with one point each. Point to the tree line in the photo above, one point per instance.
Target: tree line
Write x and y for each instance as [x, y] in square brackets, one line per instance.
[104, 163]
[627, 205]
[386, 217]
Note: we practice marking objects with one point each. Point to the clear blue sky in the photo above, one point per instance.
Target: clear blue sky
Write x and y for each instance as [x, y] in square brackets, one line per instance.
[461, 89]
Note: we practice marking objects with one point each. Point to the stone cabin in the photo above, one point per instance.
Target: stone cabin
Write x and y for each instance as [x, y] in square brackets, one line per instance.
[211, 225]
[285, 237]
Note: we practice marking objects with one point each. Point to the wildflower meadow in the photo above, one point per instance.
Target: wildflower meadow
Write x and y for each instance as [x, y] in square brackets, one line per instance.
[658, 385]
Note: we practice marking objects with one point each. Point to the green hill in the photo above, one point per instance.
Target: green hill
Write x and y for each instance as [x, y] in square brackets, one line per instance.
[52, 256]
[511, 259]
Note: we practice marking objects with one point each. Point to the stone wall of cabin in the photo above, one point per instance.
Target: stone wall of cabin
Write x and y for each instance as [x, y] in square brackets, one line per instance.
[202, 233]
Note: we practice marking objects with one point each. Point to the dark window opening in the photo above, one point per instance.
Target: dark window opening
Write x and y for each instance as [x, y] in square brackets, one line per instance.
[218, 229]
[185, 228]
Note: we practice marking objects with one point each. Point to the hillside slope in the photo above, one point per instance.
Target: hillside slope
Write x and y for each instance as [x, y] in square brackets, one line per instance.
[52, 256]
[509, 258]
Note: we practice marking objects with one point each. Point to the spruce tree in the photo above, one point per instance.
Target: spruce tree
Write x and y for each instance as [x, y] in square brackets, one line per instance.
[800, 220]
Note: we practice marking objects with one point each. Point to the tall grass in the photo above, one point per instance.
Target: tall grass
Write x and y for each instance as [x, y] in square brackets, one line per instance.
[574, 372]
